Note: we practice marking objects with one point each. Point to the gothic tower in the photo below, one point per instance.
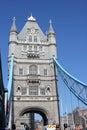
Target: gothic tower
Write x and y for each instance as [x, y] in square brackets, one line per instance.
[34, 78]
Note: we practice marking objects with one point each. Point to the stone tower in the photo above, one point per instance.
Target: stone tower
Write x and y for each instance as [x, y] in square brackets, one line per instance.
[34, 78]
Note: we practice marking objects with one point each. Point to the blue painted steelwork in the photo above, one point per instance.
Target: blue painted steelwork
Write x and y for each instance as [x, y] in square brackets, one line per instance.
[9, 87]
[78, 88]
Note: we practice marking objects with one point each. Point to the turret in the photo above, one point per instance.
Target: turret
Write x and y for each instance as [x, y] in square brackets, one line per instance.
[51, 37]
[12, 37]
[51, 34]
[13, 32]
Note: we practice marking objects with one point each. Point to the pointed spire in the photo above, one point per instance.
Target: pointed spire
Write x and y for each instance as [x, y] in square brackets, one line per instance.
[51, 30]
[13, 27]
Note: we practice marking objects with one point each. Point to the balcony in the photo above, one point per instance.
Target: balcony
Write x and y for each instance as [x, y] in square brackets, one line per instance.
[31, 54]
[35, 79]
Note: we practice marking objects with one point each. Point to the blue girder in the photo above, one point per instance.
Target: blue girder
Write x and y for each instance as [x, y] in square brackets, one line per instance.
[9, 87]
[10, 78]
[78, 88]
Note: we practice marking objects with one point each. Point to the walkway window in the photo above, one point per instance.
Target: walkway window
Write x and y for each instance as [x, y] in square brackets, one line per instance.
[33, 70]
[33, 90]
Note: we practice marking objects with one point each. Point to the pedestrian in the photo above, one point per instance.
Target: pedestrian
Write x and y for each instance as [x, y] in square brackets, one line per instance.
[65, 126]
[79, 127]
[58, 127]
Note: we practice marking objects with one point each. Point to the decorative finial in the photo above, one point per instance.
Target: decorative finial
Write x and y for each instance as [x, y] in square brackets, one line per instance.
[50, 21]
[31, 13]
[14, 19]
[31, 18]
[13, 27]
[51, 30]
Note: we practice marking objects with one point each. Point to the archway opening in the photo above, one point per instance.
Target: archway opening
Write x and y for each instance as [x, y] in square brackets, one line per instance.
[34, 118]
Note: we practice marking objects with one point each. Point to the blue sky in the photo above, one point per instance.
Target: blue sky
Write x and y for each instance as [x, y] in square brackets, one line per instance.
[69, 18]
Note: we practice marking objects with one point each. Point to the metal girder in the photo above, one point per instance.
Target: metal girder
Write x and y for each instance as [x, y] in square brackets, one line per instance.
[78, 88]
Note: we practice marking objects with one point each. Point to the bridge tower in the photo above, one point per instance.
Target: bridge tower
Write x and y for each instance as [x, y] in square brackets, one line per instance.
[34, 87]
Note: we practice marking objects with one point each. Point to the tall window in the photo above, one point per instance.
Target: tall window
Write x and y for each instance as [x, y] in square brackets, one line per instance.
[23, 91]
[33, 69]
[42, 91]
[24, 47]
[40, 48]
[35, 48]
[33, 90]
[45, 72]
[35, 38]
[30, 47]
[20, 71]
[30, 38]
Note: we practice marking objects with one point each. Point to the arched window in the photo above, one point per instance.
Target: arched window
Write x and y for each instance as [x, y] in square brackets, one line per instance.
[18, 88]
[33, 69]
[48, 91]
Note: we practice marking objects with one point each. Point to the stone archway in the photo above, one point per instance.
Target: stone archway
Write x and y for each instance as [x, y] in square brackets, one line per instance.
[37, 110]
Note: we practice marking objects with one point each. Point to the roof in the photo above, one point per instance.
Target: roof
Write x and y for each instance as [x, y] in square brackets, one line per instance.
[31, 23]
[13, 27]
[51, 30]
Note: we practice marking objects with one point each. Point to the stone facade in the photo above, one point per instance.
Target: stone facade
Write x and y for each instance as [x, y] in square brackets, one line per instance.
[34, 78]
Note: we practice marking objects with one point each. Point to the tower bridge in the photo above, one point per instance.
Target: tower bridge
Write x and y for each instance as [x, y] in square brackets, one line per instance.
[33, 80]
